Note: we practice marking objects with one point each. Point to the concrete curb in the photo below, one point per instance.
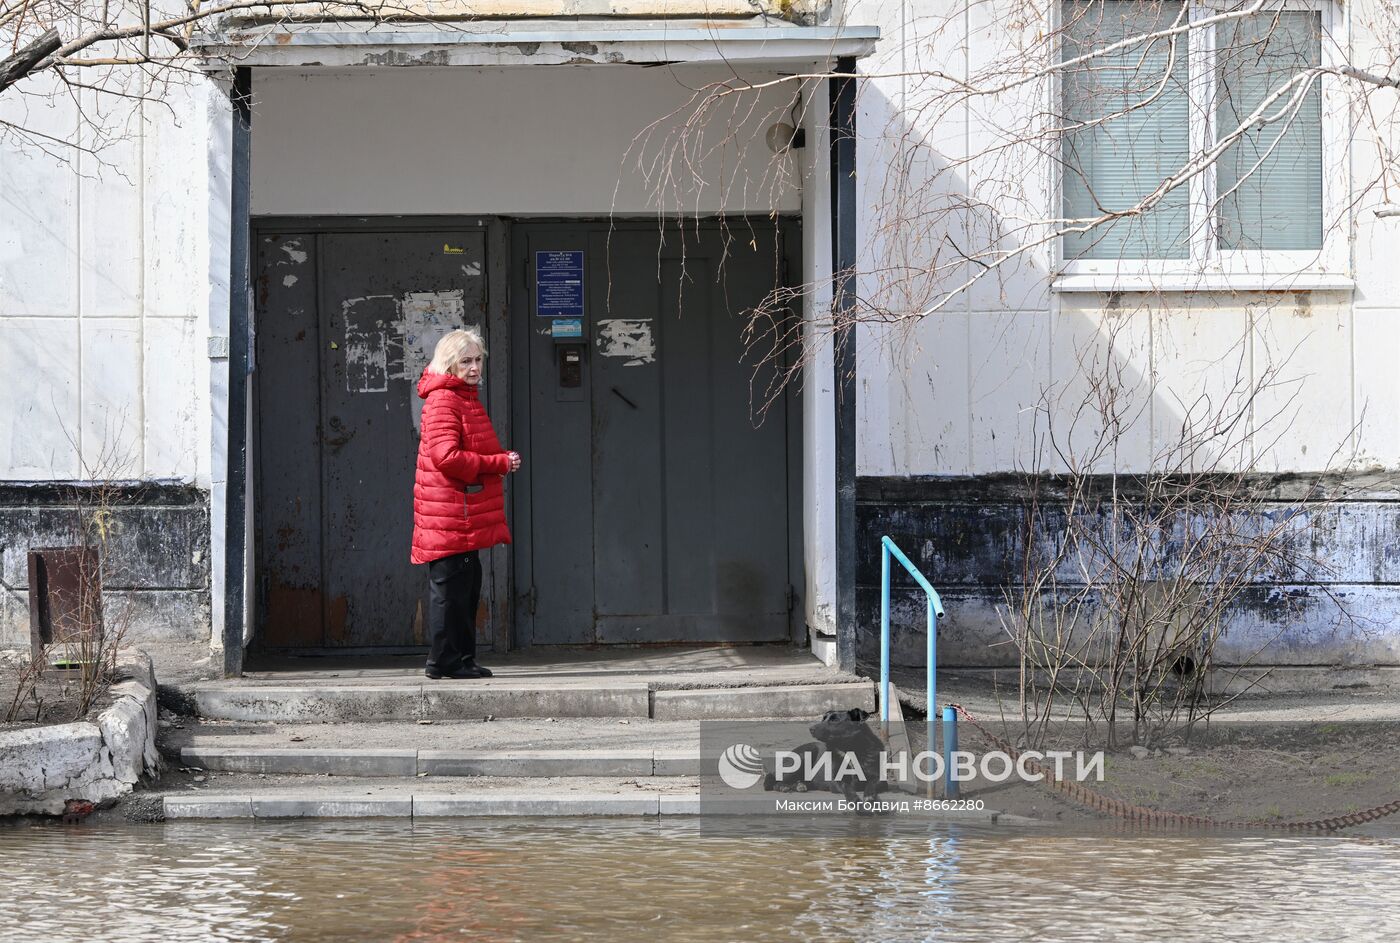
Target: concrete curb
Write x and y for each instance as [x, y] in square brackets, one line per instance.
[507, 804]
[283, 704]
[330, 807]
[458, 700]
[319, 761]
[777, 701]
[535, 763]
[400, 763]
[470, 700]
[419, 805]
[42, 768]
[430, 806]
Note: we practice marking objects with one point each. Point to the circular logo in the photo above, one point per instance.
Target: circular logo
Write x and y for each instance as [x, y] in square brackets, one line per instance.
[740, 766]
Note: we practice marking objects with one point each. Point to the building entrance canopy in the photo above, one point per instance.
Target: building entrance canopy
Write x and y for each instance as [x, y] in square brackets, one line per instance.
[754, 42]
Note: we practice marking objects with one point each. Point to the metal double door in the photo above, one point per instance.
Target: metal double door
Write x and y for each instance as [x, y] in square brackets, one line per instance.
[346, 320]
[659, 493]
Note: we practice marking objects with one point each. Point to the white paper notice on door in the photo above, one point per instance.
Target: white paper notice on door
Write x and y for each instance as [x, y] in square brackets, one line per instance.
[631, 338]
[425, 317]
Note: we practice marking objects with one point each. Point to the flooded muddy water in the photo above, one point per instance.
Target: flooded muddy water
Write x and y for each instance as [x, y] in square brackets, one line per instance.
[625, 879]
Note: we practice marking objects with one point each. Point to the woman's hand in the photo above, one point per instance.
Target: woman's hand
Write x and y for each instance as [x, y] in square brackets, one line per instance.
[514, 460]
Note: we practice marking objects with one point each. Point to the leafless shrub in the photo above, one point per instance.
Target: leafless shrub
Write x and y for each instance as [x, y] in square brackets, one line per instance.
[1128, 580]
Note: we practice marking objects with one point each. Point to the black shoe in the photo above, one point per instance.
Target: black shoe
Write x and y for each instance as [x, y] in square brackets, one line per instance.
[461, 672]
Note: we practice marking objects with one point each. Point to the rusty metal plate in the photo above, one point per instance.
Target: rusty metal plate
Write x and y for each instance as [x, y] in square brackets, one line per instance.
[65, 598]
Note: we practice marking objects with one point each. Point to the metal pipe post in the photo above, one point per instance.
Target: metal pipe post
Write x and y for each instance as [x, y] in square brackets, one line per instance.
[950, 746]
[842, 90]
[931, 681]
[240, 365]
[885, 639]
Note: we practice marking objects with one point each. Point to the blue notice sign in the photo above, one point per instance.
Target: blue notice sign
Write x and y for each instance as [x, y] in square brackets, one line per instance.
[559, 284]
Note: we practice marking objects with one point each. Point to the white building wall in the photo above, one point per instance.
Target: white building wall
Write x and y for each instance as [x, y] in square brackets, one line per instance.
[1375, 314]
[955, 392]
[102, 287]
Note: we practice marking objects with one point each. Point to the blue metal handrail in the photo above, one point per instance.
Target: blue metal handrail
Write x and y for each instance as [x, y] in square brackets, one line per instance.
[935, 609]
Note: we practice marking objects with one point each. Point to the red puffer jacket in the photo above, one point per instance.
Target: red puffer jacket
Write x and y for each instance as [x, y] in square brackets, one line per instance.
[457, 448]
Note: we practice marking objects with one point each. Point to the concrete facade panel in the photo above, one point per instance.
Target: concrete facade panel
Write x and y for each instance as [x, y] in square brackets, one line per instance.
[39, 415]
[110, 250]
[1303, 351]
[1203, 372]
[112, 414]
[177, 150]
[38, 203]
[1376, 394]
[1008, 372]
[172, 405]
[1099, 402]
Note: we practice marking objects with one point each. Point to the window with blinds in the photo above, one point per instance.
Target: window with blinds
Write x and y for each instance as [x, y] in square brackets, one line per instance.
[1127, 126]
[1269, 182]
[1127, 130]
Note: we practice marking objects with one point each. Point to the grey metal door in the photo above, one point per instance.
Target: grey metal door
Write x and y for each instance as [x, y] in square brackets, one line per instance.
[346, 321]
[659, 506]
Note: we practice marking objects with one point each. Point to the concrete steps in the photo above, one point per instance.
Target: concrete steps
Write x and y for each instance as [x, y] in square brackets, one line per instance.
[322, 761]
[553, 733]
[243, 797]
[335, 702]
[246, 796]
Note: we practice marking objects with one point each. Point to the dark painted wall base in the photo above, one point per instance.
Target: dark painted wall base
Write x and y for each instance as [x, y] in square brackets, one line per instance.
[966, 535]
[156, 562]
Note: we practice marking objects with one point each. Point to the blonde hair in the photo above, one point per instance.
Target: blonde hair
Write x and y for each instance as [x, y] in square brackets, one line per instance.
[449, 349]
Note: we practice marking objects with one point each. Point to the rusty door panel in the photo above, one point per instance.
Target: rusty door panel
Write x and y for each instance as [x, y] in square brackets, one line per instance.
[288, 447]
[346, 322]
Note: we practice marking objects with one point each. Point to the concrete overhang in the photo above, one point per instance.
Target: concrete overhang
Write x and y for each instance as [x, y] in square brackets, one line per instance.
[754, 42]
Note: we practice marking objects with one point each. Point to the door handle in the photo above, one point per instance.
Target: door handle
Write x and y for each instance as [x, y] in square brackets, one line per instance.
[623, 398]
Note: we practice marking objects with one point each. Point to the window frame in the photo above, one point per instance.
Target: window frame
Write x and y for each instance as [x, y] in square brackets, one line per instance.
[1209, 267]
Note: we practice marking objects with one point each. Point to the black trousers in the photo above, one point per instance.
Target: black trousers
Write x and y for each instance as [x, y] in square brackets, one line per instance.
[454, 590]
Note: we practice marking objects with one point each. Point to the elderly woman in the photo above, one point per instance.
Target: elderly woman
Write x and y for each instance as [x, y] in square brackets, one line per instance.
[458, 500]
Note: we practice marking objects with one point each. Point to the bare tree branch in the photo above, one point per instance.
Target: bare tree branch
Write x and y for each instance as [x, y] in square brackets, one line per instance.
[23, 62]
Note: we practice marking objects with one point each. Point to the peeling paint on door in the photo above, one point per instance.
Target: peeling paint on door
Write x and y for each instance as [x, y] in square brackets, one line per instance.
[425, 317]
[630, 338]
[366, 323]
[293, 250]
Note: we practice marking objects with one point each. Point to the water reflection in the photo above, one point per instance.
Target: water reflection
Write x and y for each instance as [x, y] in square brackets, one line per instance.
[674, 880]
